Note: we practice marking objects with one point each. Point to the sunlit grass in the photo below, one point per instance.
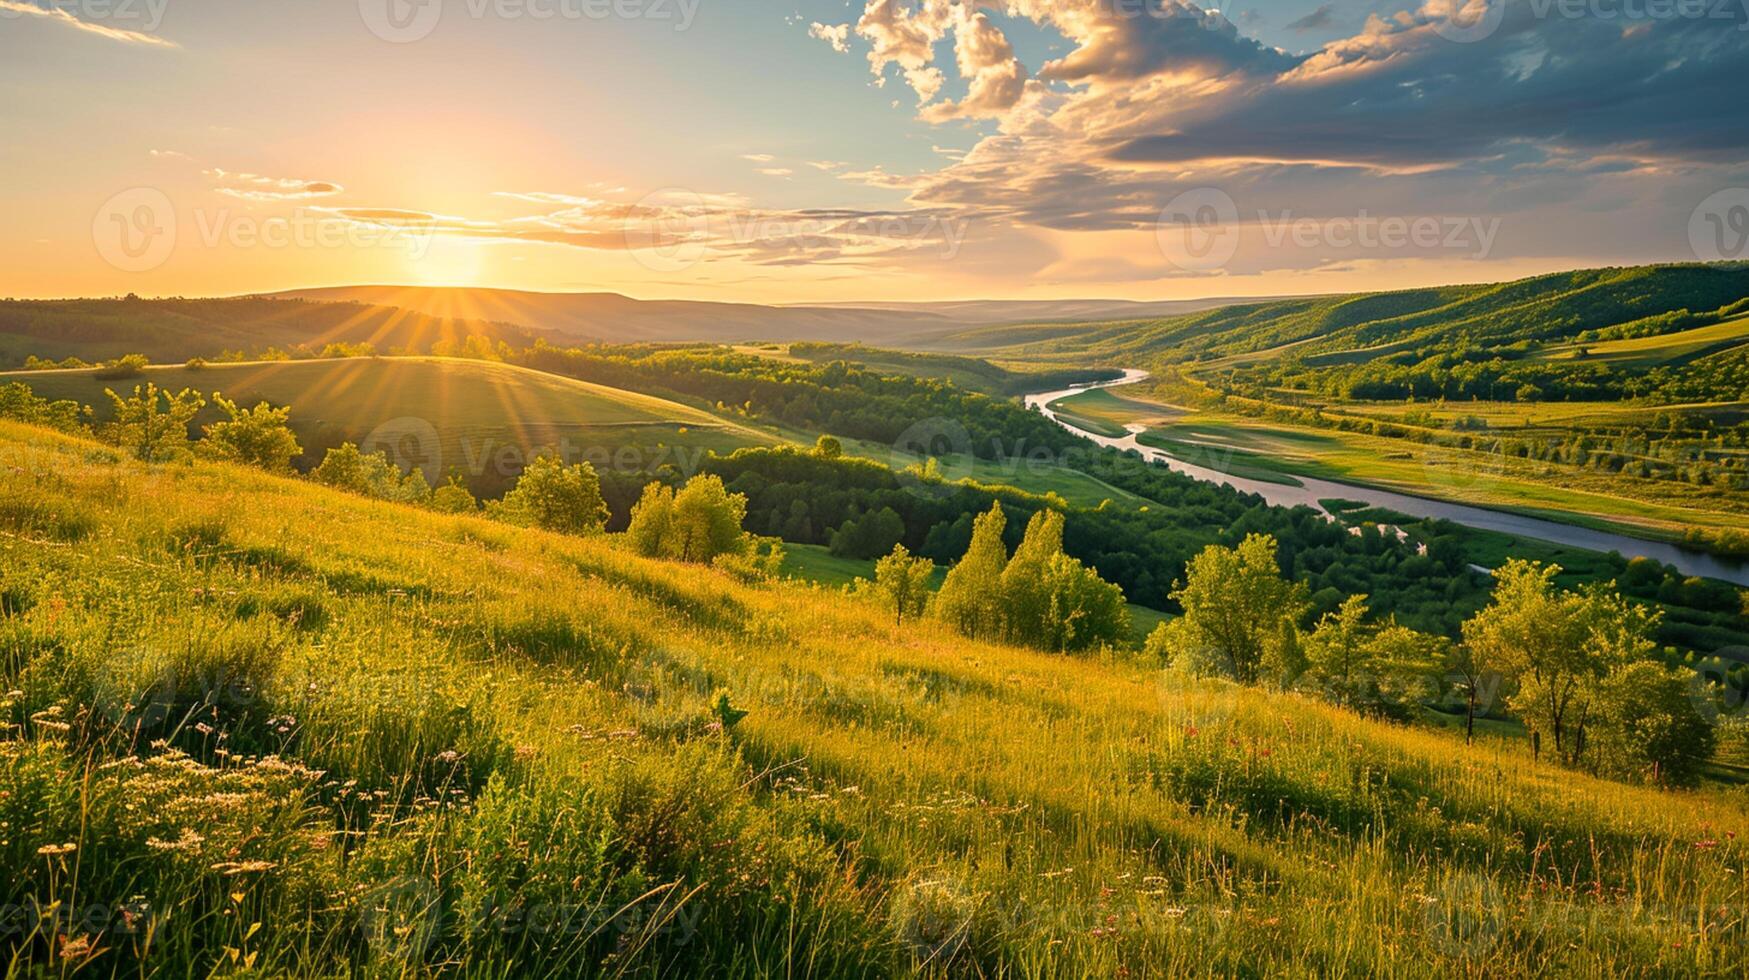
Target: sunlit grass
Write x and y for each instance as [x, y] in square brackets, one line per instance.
[389, 727]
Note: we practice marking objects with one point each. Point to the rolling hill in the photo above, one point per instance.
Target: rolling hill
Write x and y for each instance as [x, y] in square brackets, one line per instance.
[178, 329]
[441, 414]
[341, 736]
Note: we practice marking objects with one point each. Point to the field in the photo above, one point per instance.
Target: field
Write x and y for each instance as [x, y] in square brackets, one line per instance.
[439, 414]
[340, 736]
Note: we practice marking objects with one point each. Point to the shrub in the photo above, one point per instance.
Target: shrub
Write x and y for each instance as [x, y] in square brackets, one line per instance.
[370, 474]
[257, 437]
[153, 424]
[555, 497]
[700, 523]
[126, 366]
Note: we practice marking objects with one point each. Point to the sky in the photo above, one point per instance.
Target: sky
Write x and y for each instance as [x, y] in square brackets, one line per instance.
[824, 151]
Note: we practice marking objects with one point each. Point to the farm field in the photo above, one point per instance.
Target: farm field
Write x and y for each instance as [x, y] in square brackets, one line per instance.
[487, 715]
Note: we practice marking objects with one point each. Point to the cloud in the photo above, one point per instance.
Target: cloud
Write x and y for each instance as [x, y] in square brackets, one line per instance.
[1317, 20]
[836, 35]
[254, 187]
[58, 15]
[775, 171]
[758, 157]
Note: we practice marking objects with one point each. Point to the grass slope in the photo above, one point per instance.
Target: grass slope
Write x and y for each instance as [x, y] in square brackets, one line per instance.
[397, 743]
[440, 413]
[178, 329]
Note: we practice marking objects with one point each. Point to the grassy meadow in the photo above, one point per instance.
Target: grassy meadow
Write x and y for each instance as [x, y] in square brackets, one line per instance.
[436, 413]
[257, 727]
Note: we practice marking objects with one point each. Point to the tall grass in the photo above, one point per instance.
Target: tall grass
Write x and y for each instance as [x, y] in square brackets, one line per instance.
[258, 726]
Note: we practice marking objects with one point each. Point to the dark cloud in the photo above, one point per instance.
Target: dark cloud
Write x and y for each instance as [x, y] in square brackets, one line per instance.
[1317, 20]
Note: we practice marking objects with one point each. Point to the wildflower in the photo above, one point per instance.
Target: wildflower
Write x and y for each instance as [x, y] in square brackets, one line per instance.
[56, 850]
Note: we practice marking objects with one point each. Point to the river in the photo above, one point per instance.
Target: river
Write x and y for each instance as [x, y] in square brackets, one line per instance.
[1310, 490]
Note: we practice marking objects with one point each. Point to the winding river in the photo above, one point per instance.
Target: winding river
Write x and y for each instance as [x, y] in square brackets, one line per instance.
[1309, 491]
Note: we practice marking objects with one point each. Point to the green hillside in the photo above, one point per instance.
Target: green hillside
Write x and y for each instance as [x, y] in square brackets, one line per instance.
[96, 330]
[441, 414]
[270, 728]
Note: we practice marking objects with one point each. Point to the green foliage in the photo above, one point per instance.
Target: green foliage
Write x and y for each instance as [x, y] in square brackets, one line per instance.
[1235, 606]
[970, 599]
[700, 523]
[1647, 726]
[869, 536]
[828, 447]
[901, 583]
[454, 497]
[1373, 668]
[259, 436]
[153, 424]
[126, 366]
[370, 474]
[20, 404]
[555, 497]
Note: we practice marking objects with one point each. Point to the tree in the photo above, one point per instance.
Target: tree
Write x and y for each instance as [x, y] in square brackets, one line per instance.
[1557, 646]
[828, 447]
[257, 437]
[652, 520]
[870, 536]
[700, 523]
[1373, 668]
[346, 468]
[1082, 609]
[1026, 589]
[555, 497]
[1235, 604]
[153, 424]
[902, 583]
[19, 403]
[707, 521]
[970, 599]
[454, 497]
[1648, 727]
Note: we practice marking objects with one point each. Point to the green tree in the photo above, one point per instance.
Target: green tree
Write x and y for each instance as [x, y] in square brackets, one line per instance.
[1025, 588]
[19, 403]
[555, 497]
[970, 599]
[1557, 647]
[706, 521]
[902, 583]
[652, 521]
[454, 497]
[344, 467]
[153, 424]
[869, 536]
[828, 447]
[1235, 606]
[1082, 610]
[1647, 726]
[257, 436]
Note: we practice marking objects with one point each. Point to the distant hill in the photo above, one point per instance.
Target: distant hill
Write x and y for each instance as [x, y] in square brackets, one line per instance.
[612, 318]
[178, 329]
[440, 414]
[1514, 319]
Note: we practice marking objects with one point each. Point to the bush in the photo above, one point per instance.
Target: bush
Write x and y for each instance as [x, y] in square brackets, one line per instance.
[370, 474]
[256, 437]
[153, 424]
[555, 497]
[698, 524]
[127, 366]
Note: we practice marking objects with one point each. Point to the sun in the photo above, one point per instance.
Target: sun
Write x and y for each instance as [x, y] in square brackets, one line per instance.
[448, 262]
